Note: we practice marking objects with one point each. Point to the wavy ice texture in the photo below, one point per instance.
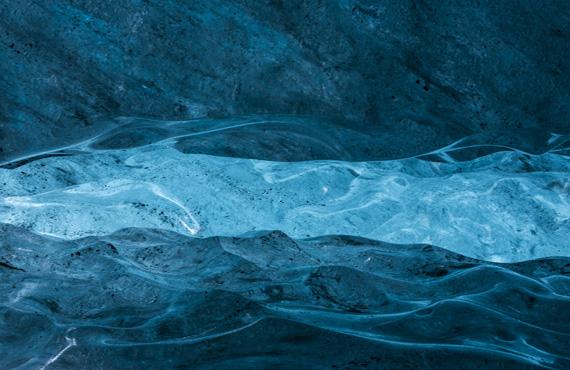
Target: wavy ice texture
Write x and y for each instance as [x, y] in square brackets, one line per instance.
[147, 245]
[144, 245]
[496, 205]
[266, 300]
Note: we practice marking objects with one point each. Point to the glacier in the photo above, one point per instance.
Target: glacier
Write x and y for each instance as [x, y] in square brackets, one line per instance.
[284, 184]
[265, 300]
[167, 243]
[506, 206]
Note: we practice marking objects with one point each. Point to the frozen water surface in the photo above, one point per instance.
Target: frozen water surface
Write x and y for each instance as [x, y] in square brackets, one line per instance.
[503, 206]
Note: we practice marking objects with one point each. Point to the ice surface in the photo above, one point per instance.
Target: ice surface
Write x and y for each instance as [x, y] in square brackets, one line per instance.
[506, 206]
[151, 244]
[284, 184]
[427, 70]
[266, 301]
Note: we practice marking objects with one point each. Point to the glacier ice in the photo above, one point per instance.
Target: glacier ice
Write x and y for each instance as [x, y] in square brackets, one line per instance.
[152, 243]
[281, 184]
[170, 300]
[506, 206]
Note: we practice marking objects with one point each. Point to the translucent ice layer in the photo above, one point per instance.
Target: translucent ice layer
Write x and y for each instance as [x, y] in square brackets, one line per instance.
[505, 206]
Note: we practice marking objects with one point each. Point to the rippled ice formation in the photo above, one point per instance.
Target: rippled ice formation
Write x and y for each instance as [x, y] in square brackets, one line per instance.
[504, 206]
[166, 300]
[151, 245]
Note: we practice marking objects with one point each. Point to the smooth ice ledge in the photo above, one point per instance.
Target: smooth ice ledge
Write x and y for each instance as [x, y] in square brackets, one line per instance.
[502, 207]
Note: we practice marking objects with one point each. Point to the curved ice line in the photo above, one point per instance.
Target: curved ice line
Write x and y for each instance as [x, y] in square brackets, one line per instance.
[25, 201]
[264, 168]
[183, 340]
[484, 347]
[85, 143]
[54, 150]
[71, 342]
[400, 315]
[158, 191]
